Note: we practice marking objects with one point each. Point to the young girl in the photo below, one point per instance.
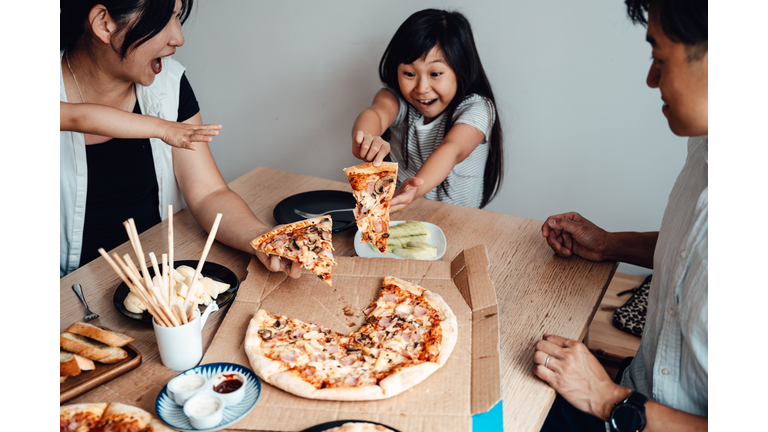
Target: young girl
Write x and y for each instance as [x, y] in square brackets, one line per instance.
[438, 112]
[108, 121]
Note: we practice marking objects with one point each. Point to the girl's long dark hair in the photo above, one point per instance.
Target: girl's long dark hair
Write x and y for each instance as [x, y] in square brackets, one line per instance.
[451, 32]
[140, 20]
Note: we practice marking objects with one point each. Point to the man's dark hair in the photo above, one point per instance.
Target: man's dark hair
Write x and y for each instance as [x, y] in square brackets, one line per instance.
[681, 21]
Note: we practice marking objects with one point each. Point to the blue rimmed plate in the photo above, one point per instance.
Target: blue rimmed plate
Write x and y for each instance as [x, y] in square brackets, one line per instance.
[172, 413]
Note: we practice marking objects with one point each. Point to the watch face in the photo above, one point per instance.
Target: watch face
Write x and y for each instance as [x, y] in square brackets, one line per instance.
[627, 418]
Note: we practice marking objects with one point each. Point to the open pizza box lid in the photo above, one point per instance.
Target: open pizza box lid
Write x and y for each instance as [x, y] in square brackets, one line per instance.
[469, 382]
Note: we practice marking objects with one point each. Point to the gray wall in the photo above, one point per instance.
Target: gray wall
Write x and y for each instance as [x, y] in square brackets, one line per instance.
[582, 130]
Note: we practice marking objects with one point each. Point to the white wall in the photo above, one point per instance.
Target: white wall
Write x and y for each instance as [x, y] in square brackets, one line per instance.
[582, 130]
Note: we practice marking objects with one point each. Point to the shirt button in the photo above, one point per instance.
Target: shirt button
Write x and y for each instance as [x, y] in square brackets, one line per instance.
[682, 254]
[665, 371]
[671, 312]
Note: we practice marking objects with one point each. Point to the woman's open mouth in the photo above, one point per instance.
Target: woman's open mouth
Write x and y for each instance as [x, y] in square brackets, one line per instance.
[157, 65]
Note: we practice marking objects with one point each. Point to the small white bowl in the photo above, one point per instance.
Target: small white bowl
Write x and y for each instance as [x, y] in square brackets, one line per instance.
[184, 387]
[205, 410]
[231, 398]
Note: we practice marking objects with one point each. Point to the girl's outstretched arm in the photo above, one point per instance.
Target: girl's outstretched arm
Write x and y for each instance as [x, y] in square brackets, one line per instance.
[459, 143]
[107, 121]
[367, 144]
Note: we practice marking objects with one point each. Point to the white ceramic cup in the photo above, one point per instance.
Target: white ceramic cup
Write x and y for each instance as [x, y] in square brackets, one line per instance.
[204, 410]
[181, 347]
[185, 386]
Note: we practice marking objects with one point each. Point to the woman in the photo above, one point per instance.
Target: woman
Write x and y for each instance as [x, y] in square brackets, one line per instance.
[116, 53]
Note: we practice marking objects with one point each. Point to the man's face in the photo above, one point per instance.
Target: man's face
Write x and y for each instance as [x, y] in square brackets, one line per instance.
[683, 83]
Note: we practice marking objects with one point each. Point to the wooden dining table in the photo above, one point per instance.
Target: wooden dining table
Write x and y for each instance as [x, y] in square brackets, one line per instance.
[537, 292]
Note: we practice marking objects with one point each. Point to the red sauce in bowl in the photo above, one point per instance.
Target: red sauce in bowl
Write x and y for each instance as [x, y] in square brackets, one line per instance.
[230, 384]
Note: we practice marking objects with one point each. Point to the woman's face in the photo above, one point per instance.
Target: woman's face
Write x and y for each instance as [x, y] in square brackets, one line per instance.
[428, 84]
[144, 62]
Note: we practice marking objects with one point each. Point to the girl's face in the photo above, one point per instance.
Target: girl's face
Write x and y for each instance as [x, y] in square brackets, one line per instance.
[428, 84]
[144, 63]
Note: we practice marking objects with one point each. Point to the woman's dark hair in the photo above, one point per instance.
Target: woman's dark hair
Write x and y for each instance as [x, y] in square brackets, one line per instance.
[140, 20]
[451, 32]
[682, 21]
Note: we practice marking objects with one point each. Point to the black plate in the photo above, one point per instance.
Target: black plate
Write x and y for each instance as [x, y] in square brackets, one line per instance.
[214, 271]
[318, 202]
[336, 423]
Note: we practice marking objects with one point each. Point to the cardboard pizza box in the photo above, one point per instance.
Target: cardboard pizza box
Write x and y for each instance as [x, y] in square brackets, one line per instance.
[469, 382]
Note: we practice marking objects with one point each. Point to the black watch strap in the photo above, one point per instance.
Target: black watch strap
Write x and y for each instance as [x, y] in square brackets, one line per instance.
[629, 414]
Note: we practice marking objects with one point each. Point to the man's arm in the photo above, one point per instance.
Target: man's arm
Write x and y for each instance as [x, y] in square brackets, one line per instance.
[579, 377]
[572, 234]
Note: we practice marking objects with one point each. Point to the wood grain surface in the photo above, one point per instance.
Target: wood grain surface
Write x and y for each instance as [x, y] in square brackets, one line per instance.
[537, 291]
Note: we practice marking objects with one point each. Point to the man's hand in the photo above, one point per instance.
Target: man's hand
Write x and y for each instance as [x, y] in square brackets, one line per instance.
[576, 375]
[184, 135]
[275, 263]
[372, 148]
[571, 234]
[405, 194]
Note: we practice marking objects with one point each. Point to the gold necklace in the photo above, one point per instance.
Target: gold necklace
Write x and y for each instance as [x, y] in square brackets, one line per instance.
[66, 57]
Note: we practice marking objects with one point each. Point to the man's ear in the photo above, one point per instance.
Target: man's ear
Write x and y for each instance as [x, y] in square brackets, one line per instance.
[102, 25]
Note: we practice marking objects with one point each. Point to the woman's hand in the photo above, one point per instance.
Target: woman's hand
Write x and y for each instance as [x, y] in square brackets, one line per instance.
[576, 375]
[405, 194]
[185, 135]
[371, 148]
[275, 263]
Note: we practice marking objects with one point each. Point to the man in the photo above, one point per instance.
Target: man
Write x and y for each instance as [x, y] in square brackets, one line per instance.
[665, 385]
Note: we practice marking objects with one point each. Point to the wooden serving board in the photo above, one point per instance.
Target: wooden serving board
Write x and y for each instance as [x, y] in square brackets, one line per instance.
[74, 386]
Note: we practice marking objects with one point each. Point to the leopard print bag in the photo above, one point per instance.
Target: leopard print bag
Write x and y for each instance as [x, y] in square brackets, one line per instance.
[630, 317]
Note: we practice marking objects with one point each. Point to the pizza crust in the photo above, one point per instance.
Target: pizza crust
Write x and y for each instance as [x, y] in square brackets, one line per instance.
[369, 168]
[115, 410]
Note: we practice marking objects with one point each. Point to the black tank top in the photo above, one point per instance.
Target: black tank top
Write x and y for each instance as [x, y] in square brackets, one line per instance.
[122, 184]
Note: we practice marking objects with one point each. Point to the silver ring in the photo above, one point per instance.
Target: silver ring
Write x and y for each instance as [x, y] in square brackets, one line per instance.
[546, 362]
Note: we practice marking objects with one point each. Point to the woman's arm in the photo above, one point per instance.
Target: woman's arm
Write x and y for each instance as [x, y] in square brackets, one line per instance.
[206, 194]
[111, 122]
[367, 143]
[458, 143]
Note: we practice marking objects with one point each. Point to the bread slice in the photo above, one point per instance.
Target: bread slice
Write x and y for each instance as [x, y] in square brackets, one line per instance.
[91, 349]
[68, 365]
[110, 338]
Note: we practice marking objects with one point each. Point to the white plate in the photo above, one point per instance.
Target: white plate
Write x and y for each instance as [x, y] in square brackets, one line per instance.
[436, 238]
[172, 413]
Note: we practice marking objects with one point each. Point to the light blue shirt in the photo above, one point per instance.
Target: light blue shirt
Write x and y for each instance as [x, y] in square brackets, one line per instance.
[671, 365]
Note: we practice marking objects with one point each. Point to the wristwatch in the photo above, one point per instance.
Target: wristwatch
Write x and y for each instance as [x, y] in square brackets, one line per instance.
[629, 414]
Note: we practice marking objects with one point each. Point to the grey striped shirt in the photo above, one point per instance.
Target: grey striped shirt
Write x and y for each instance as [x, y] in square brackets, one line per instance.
[671, 365]
[465, 181]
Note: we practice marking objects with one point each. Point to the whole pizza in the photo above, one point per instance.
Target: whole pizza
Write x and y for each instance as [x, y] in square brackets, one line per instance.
[373, 188]
[108, 417]
[409, 333]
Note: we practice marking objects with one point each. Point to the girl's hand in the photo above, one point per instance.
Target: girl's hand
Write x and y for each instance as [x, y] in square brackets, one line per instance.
[371, 147]
[185, 135]
[405, 194]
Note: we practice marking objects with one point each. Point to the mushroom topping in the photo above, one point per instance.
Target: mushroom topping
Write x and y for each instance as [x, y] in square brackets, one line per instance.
[278, 324]
[293, 245]
[383, 183]
[265, 334]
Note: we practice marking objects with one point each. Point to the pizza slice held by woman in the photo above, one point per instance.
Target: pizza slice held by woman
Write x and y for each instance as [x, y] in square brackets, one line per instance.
[306, 242]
